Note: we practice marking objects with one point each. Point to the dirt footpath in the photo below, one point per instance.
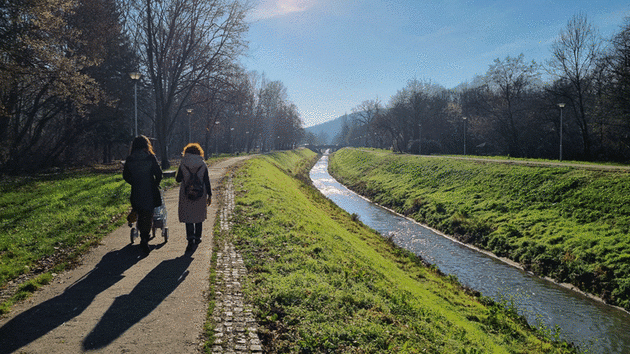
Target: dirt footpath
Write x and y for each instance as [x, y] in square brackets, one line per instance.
[121, 300]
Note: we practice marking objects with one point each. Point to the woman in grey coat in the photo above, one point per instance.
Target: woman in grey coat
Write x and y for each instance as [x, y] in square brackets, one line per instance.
[193, 210]
[144, 174]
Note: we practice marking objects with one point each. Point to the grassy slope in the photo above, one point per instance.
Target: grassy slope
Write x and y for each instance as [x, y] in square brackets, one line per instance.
[321, 282]
[39, 216]
[47, 221]
[564, 222]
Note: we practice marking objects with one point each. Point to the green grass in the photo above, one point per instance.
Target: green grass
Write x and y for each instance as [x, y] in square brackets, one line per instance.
[529, 160]
[565, 222]
[47, 221]
[43, 215]
[320, 281]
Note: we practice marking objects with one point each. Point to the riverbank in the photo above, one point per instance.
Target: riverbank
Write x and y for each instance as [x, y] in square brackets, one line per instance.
[564, 222]
[320, 281]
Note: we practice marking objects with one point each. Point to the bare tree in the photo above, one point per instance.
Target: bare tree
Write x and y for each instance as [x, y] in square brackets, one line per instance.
[415, 115]
[365, 114]
[422, 110]
[288, 127]
[272, 98]
[185, 44]
[509, 81]
[618, 75]
[393, 123]
[226, 101]
[575, 54]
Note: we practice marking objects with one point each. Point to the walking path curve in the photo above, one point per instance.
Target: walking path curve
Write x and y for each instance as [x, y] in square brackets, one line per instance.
[121, 300]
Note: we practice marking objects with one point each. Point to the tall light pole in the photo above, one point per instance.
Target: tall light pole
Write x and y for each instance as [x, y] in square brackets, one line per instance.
[231, 140]
[189, 112]
[419, 138]
[561, 105]
[465, 123]
[216, 138]
[135, 76]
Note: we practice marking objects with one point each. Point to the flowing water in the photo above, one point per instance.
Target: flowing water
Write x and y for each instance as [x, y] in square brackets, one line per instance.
[592, 325]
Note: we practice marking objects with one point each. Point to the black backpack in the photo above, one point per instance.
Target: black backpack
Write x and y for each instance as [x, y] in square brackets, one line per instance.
[194, 186]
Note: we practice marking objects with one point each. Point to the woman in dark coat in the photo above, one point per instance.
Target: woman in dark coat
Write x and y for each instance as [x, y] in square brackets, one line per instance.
[144, 174]
[193, 212]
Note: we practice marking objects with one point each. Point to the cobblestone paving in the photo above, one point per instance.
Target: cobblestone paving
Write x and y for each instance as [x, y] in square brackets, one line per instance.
[236, 330]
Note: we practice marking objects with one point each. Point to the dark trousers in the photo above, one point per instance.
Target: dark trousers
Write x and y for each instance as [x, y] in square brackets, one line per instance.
[193, 230]
[144, 224]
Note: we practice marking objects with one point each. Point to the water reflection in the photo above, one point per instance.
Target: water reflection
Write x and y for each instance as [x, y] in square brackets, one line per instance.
[582, 320]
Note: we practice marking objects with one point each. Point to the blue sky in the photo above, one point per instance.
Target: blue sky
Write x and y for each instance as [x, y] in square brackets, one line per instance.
[331, 55]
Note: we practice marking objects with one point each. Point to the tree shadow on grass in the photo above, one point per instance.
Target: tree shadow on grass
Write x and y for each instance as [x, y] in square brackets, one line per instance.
[127, 310]
[43, 318]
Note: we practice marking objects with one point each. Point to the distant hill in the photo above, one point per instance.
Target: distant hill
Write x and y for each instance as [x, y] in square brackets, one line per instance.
[329, 129]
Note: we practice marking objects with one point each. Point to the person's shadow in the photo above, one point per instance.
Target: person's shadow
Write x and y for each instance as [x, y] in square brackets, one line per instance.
[43, 318]
[128, 310]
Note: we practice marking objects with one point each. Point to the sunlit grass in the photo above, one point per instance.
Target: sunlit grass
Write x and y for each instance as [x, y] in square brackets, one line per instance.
[321, 281]
[47, 221]
[40, 216]
[565, 222]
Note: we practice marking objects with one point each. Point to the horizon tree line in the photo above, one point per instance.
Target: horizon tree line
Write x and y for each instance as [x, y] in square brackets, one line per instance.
[66, 97]
[511, 110]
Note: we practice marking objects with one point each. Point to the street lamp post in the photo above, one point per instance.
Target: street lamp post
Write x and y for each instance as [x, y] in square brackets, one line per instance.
[216, 138]
[419, 138]
[189, 112]
[465, 124]
[561, 105]
[135, 76]
[232, 140]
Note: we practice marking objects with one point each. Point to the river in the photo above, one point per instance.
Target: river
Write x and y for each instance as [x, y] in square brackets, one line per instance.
[590, 324]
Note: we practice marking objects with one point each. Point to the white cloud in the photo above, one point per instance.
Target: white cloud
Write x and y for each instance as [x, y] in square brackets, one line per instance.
[276, 8]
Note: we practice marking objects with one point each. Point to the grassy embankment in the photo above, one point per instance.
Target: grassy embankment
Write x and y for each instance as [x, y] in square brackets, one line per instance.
[320, 281]
[568, 223]
[47, 221]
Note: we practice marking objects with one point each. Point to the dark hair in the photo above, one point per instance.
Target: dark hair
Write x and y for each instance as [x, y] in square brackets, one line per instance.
[193, 148]
[142, 143]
